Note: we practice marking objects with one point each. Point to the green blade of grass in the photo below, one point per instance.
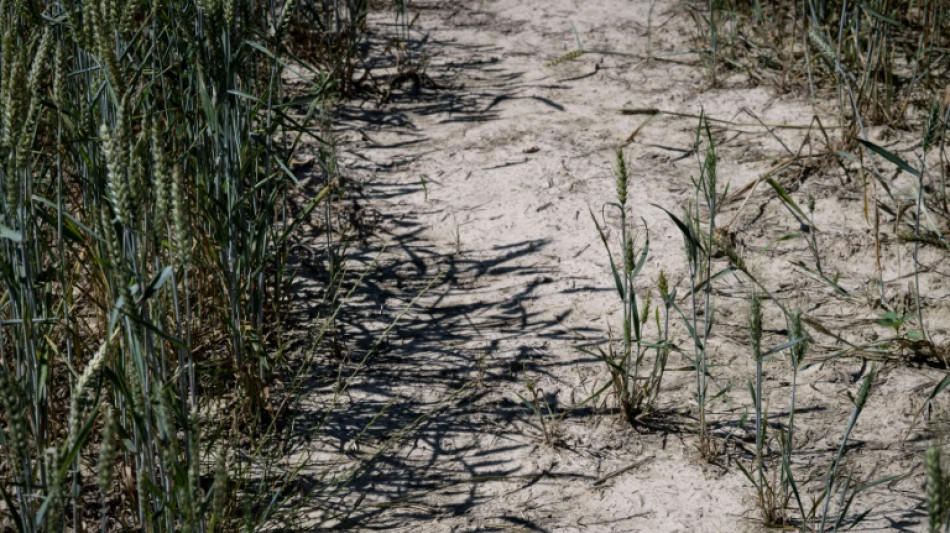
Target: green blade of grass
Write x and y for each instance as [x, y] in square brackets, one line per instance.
[691, 239]
[890, 156]
[613, 266]
[786, 199]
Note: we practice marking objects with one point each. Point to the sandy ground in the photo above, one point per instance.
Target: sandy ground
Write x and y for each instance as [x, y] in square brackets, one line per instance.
[478, 187]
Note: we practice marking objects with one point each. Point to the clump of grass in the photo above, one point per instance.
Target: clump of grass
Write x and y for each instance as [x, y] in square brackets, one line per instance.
[549, 422]
[766, 492]
[699, 239]
[776, 486]
[634, 381]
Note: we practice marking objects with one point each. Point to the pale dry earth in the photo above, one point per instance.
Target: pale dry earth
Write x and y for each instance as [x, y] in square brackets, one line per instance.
[478, 187]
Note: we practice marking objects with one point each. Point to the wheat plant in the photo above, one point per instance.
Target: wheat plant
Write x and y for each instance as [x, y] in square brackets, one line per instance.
[144, 224]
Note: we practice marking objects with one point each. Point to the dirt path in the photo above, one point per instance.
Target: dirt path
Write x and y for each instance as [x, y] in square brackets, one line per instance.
[482, 186]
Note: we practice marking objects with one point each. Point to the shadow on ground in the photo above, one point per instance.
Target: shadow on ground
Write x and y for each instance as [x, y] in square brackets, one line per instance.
[391, 415]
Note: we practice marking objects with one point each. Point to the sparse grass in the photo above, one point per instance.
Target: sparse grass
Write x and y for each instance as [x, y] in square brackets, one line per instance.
[881, 66]
[549, 422]
[877, 59]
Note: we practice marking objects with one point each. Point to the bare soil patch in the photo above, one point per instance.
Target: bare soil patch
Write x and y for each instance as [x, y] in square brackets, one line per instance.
[482, 181]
